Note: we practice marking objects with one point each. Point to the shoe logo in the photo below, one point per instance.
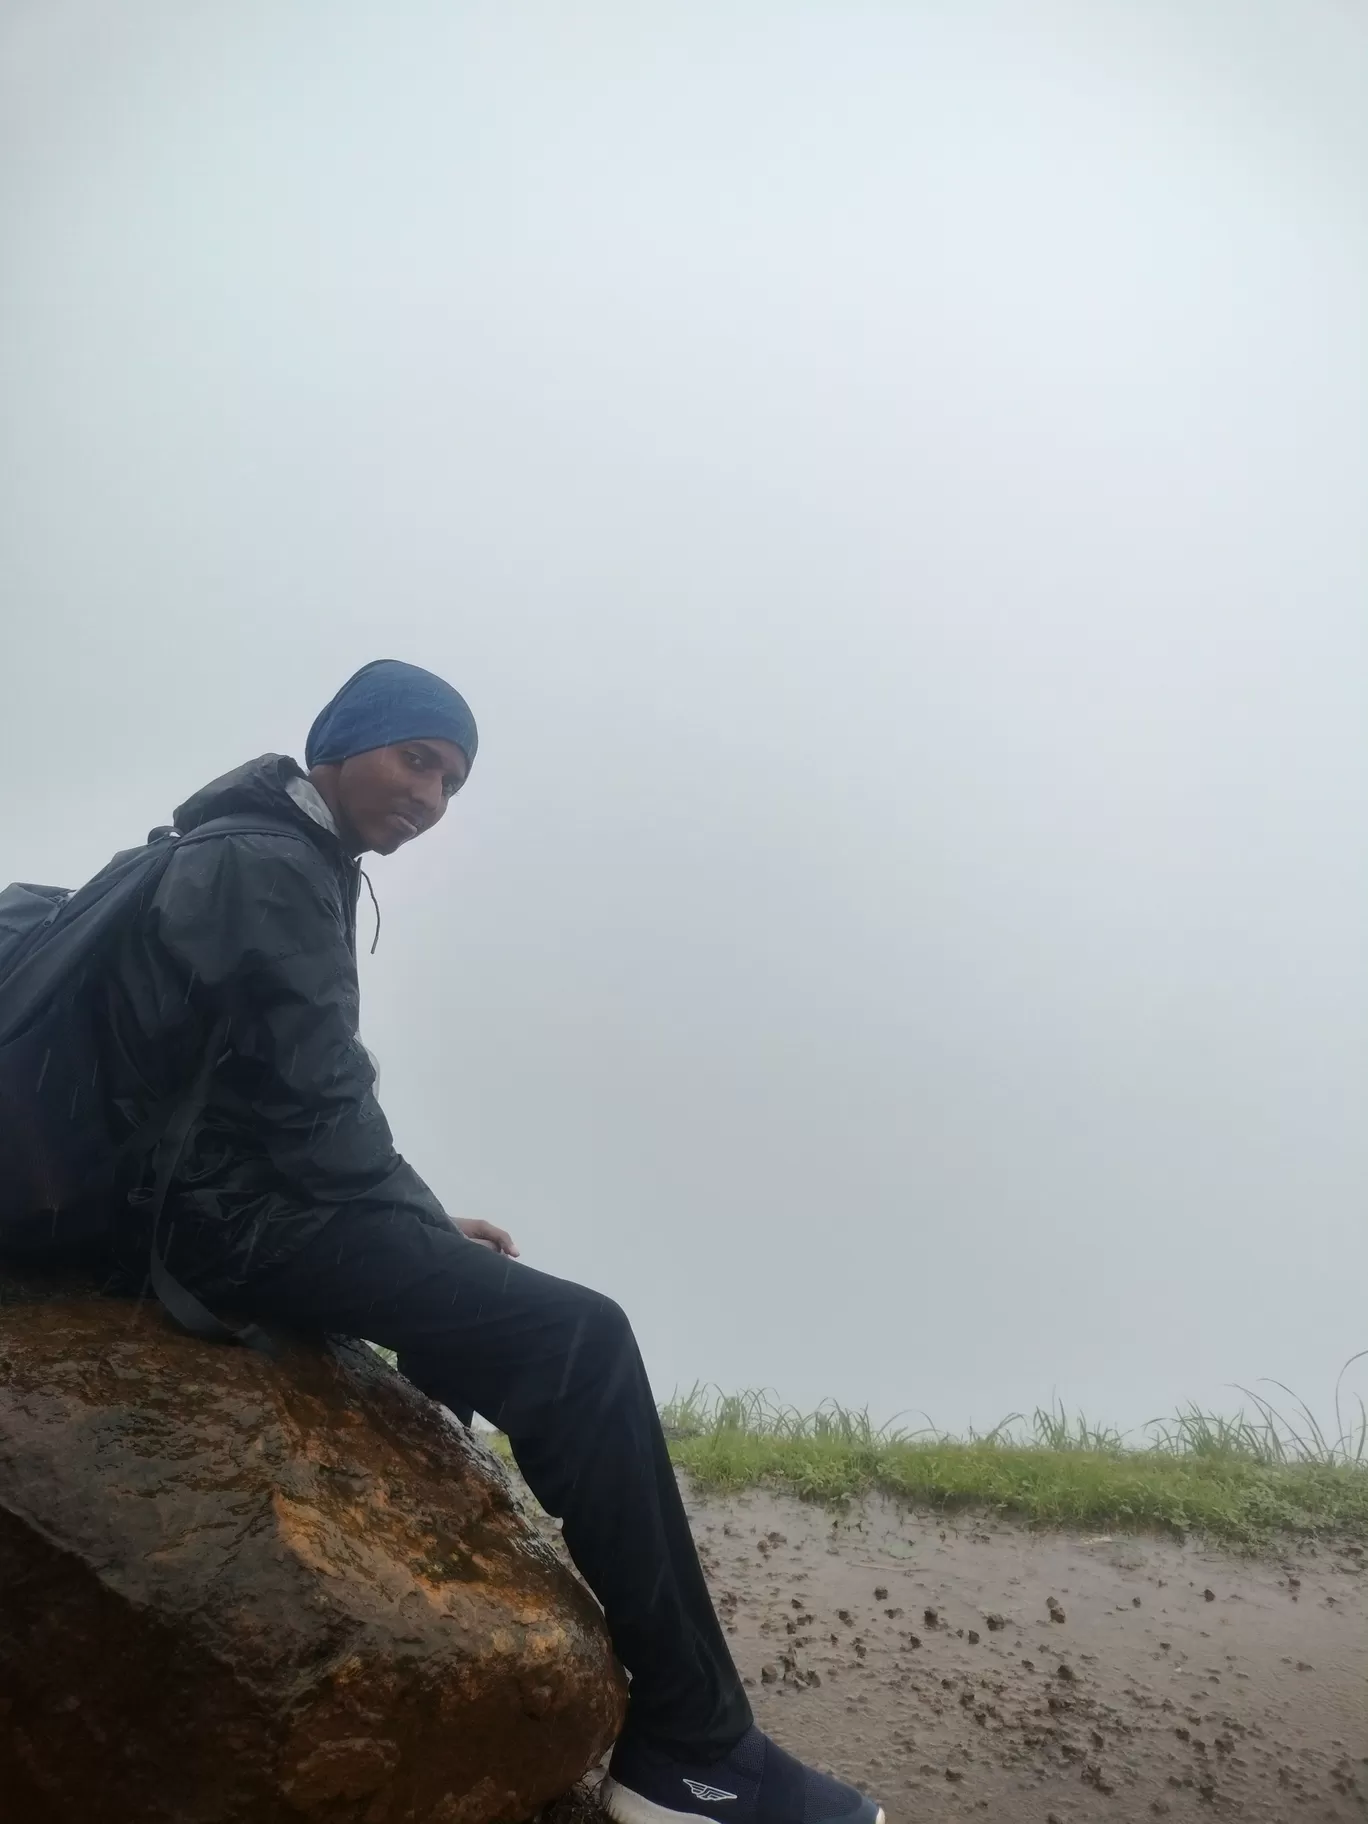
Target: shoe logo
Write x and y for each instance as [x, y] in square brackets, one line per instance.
[708, 1794]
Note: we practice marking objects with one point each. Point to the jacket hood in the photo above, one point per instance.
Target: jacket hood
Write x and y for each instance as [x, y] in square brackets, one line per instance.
[258, 787]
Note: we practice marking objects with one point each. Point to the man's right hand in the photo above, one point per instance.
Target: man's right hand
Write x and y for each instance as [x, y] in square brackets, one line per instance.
[488, 1235]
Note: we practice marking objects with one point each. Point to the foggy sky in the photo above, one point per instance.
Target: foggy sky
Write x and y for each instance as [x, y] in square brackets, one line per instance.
[892, 484]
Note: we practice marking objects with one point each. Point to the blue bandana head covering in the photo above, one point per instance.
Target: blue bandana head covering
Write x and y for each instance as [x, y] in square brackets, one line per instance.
[388, 701]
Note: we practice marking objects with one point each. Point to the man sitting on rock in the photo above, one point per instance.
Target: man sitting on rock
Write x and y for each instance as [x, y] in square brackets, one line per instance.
[290, 1205]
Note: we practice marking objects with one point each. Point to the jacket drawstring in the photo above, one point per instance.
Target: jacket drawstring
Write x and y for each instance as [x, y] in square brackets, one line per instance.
[376, 903]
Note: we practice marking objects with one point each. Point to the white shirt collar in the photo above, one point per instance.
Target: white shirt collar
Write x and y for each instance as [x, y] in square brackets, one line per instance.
[311, 801]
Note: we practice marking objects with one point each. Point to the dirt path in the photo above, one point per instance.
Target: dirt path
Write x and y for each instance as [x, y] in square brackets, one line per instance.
[921, 1660]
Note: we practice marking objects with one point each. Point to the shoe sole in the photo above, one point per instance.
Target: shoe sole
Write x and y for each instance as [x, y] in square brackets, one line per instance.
[628, 1807]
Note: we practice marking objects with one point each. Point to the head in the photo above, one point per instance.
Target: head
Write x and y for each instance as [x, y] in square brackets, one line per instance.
[389, 753]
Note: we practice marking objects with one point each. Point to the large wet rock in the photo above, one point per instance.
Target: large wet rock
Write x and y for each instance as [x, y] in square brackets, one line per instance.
[236, 1590]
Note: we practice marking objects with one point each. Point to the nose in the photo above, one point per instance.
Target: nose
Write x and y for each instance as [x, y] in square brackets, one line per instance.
[428, 797]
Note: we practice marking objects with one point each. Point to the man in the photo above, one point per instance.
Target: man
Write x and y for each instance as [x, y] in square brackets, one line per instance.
[290, 1205]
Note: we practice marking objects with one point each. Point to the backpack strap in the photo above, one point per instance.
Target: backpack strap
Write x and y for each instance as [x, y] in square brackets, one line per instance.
[187, 1310]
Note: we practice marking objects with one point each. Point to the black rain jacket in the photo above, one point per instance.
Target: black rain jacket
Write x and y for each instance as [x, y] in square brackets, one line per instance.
[260, 927]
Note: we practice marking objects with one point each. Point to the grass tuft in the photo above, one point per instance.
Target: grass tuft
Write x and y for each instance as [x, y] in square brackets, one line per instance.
[1242, 1479]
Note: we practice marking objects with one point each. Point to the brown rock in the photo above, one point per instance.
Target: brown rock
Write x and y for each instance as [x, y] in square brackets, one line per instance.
[236, 1590]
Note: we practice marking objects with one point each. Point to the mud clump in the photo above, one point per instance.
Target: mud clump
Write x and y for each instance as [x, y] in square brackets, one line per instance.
[1030, 1734]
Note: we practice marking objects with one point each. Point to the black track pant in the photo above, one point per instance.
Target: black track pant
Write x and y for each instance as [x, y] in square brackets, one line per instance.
[556, 1367]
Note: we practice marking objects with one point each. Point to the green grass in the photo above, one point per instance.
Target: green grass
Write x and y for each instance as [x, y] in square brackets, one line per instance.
[1243, 1480]
[1247, 1479]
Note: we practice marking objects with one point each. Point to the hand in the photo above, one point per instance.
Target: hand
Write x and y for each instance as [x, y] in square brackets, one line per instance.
[488, 1236]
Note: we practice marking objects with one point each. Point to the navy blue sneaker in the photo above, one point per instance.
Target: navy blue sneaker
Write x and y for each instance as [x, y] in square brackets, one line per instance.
[757, 1783]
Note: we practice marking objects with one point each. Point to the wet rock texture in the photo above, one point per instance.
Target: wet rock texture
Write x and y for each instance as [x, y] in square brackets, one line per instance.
[236, 1590]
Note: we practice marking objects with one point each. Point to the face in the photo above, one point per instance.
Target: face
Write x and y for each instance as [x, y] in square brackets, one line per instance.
[385, 798]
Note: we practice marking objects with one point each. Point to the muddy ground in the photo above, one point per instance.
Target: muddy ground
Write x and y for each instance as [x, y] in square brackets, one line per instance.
[979, 1670]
